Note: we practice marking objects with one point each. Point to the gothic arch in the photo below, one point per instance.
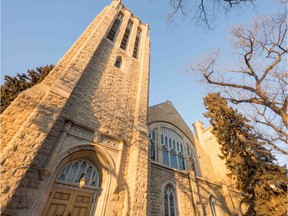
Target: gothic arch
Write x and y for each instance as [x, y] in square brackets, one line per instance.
[93, 153]
[172, 184]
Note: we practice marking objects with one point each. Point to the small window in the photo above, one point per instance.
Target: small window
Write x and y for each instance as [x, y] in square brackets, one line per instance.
[112, 33]
[118, 62]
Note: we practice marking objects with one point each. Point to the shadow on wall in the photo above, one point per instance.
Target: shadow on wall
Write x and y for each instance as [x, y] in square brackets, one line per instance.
[205, 191]
[184, 193]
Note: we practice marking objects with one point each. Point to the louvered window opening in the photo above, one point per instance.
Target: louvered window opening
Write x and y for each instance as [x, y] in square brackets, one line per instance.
[125, 38]
[136, 45]
[112, 33]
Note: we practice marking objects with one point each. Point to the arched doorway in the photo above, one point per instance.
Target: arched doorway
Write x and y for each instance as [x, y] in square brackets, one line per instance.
[74, 190]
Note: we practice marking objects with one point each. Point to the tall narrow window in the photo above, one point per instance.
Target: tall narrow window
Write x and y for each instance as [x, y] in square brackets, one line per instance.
[152, 136]
[181, 163]
[169, 201]
[112, 33]
[165, 155]
[173, 158]
[136, 45]
[212, 206]
[126, 36]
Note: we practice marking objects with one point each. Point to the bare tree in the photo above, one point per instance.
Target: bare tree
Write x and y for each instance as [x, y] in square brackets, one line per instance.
[258, 84]
[204, 11]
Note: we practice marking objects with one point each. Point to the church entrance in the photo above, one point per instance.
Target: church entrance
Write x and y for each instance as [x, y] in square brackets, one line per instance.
[67, 202]
[74, 190]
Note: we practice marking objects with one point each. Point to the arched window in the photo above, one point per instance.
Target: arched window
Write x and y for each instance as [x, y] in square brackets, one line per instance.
[170, 201]
[118, 62]
[212, 205]
[111, 34]
[152, 136]
[74, 171]
[172, 149]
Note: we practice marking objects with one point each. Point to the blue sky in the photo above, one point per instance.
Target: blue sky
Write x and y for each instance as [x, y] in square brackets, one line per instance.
[35, 33]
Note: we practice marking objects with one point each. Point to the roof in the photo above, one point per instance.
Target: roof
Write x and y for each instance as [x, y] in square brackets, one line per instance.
[166, 112]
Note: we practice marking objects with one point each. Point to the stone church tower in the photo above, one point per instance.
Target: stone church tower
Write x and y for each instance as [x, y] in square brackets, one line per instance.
[83, 142]
[77, 143]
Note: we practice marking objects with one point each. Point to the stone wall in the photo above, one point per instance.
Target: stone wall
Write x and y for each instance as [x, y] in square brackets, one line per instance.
[162, 176]
[208, 145]
[85, 88]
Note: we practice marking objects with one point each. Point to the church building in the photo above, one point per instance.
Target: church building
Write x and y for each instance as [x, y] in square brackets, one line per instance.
[84, 142]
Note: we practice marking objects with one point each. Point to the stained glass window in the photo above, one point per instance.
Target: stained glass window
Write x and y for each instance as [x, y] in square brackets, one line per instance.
[169, 201]
[173, 157]
[181, 164]
[165, 156]
[75, 170]
[173, 148]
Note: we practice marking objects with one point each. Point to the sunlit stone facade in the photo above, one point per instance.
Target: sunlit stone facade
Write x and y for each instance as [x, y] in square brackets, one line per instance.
[79, 143]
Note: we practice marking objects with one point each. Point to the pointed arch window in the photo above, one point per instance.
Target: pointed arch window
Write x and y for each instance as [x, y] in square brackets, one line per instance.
[113, 30]
[170, 201]
[74, 171]
[118, 62]
[126, 35]
[212, 205]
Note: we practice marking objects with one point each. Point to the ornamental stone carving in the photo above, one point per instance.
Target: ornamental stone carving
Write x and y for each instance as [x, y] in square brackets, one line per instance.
[106, 141]
[81, 133]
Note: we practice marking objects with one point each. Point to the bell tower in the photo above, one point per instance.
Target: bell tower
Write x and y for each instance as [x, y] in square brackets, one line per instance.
[77, 143]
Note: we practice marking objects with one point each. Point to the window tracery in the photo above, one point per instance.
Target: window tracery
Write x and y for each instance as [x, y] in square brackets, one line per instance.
[170, 201]
[172, 148]
[74, 171]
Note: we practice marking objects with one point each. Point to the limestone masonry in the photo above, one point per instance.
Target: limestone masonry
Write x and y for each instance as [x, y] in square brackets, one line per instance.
[83, 142]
